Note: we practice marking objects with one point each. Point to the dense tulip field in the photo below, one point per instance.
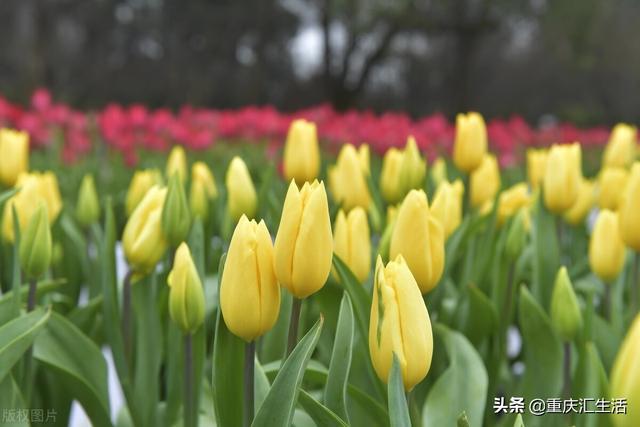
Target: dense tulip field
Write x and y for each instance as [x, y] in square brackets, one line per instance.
[256, 268]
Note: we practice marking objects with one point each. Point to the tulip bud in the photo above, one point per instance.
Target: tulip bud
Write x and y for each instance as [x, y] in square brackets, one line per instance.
[14, 155]
[583, 204]
[186, 297]
[304, 244]
[352, 241]
[88, 207]
[203, 190]
[347, 180]
[176, 218]
[606, 248]
[447, 205]
[390, 176]
[177, 163]
[399, 324]
[439, 171]
[485, 181]
[33, 188]
[413, 168]
[565, 311]
[241, 194]
[518, 232]
[35, 244]
[611, 185]
[562, 177]
[625, 377]
[249, 291]
[629, 208]
[143, 240]
[301, 152]
[419, 237]
[620, 151]
[470, 146]
[536, 166]
[141, 182]
[511, 200]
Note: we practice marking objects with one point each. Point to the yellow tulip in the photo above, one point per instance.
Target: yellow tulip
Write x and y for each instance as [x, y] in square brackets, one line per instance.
[14, 155]
[439, 171]
[33, 188]
[611, 184]
[419, 237]
[511, 200]
[413, 168]
[241, 194]
[625, 377]
[35, 244]
[606, 248]
[485, 181]
[399, 324]
[447, 205]
[177, 163]
[88, 207]
[143, 240]
[352, 241]
[347, 180]
[186, 296]
[203, 190]
[364, 157]
[562, 177]
[629, 210]
[304, 244]
[620, 151]
[536, 166]
[389, 176]
[583, 204]
[141, 182]
[249, 291]
[470, 145]
[301, 152]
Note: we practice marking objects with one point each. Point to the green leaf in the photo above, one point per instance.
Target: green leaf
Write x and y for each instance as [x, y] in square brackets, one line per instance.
[336, 388]
[228, 369]
[77, 364]
[317, 374]
[478, 316]
[543, 354]
[7, 300]
[17, 336]
[463, 421]
[279, 405]
[11, 400]
[462, 387]
[360, 299]
[547, 254]
[398, 408]
[322, 415]
[590, 382]
[261, 385]
[518, 422]
[147, 348]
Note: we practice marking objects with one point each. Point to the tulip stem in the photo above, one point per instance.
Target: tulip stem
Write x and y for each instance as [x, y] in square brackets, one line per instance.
[31, 299]
[249, 357]
[189, 413]
[293, 325]
[635, 285]
[607, 301]
[567, 369]
[126, 317]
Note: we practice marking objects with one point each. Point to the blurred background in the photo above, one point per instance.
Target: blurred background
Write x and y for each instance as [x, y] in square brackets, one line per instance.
[578, 60]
